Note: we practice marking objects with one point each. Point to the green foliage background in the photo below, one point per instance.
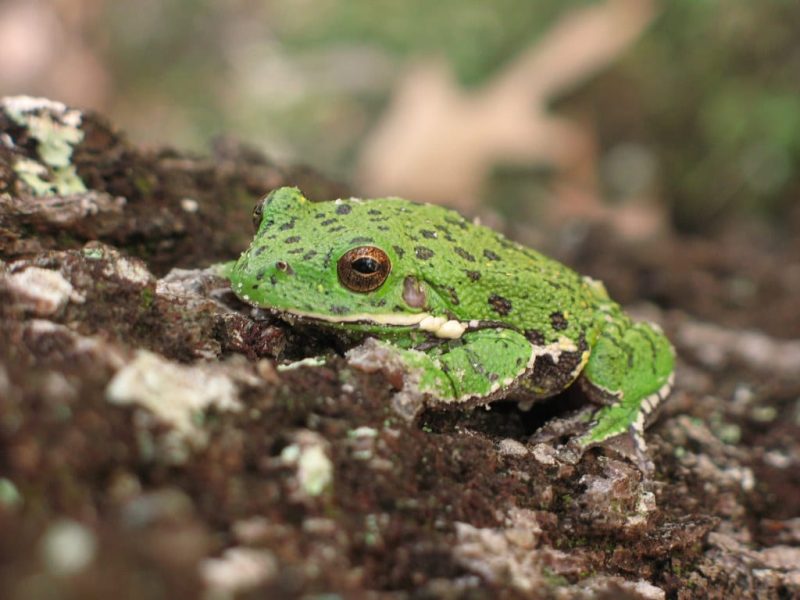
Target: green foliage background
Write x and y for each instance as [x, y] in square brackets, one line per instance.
[711, 91]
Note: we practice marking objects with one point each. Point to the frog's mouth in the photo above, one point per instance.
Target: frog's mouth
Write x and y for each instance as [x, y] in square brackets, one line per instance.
[440, 327]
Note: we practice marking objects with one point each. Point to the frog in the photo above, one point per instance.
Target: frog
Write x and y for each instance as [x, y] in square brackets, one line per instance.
[469, 315]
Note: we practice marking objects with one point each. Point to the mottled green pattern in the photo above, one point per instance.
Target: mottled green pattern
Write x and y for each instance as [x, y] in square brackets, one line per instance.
[468, 271]
[472, 315]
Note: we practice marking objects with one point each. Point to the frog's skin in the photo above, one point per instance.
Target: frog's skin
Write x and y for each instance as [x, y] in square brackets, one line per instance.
[472, 316]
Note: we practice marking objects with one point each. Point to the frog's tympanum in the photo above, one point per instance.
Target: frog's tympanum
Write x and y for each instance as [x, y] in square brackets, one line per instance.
[471, 316]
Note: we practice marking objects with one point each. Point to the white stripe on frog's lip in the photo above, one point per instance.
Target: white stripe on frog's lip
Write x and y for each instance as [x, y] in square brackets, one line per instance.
[438, 326]
[443, 328]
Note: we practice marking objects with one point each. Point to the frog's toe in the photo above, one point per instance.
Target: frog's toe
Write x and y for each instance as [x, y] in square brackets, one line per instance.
[408, 404]
[629, 444]
[620, 425]
[581, 431]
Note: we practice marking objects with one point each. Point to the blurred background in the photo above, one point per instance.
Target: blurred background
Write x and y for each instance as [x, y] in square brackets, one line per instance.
[648, 115]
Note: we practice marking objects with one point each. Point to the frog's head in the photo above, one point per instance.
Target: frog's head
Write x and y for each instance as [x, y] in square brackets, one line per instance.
[345, 263]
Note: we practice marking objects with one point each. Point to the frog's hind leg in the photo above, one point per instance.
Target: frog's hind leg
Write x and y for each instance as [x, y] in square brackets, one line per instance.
[630, 370]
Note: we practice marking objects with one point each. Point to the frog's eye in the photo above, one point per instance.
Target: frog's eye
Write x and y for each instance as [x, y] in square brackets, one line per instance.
[364, 269]
[258, 212]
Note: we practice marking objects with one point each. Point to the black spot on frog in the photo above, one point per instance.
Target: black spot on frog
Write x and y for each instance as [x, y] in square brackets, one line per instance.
[502, 306]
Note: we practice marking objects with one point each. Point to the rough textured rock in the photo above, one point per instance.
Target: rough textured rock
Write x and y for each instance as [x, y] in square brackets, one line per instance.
[154, 442]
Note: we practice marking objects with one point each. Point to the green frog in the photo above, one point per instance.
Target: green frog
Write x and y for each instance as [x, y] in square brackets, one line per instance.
[469, 315]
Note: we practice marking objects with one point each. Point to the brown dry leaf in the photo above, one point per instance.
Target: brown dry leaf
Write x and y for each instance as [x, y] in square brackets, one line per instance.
[438, 143]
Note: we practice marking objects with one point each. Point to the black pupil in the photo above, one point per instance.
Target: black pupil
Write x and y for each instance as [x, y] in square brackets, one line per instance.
[366, 265]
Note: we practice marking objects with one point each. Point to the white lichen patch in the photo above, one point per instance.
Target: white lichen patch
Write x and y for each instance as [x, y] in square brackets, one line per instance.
[18, 106]
[237, 570]
[42, 292]
[362, 442]
[309, 455]
[362, 432]
[545, 455]
[190, 286]
[189, 205]
[311, 361]
[35, 175]
[131, 270]
[67, 547]
[57, 129]
[507, 554]
[175, 394]
[511, 447]
[648, 591]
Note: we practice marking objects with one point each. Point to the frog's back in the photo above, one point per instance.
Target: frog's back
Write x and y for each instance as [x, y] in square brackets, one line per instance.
[483, 276]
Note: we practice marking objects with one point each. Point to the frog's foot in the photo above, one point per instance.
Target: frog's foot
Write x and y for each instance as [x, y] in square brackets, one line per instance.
[475, 369]
[575, 425]
[630, 371]
[409, 371]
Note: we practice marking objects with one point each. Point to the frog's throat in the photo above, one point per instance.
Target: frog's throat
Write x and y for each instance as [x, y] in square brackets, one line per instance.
[440, 327]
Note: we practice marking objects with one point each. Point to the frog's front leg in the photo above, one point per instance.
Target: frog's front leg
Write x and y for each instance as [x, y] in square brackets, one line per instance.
[474, 369]
[631, 371]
